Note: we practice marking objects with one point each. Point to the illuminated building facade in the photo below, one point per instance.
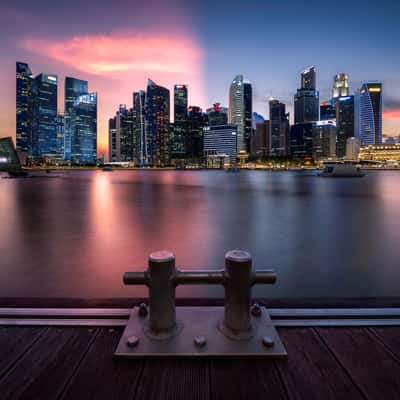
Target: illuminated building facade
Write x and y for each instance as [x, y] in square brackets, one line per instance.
[83, 126]
[340, 86]
[353, 147]
[157, 124]
[278, 129]
[324, 140]
[220, 144]
[260, 140]
[178, 130]
[241, 110]
[140, 141]
[217, 115]
[23, 107]
[370, 114]
[327, 111]
[306, 100]
[8, 155]
[345, 122]
[380, 152]
[196, 120]
[44, 117]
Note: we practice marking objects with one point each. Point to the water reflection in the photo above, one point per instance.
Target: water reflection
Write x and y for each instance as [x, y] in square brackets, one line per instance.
[75, 236]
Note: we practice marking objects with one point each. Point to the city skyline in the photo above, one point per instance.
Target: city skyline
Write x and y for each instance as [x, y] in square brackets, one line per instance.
[188, 48]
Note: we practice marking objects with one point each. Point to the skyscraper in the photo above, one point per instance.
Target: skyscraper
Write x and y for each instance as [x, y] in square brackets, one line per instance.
[241, 110]
[278, 129]
[178, 130]
[306, 100]
[196, 121]
[84, 129]
[140, 144]
[220, 145]
[340, 86]
[327, 111]
[370, 113]
[23, 108]
[122, 135]
[324, 140]
[72, 90]
[217, 115]
[44, 116]
[157, 123]
[345, 122]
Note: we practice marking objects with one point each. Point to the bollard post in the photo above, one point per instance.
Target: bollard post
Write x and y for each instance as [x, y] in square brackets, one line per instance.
[161, 283]
[238, 281]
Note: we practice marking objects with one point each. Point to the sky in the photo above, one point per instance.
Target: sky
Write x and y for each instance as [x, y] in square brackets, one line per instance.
[117, 45]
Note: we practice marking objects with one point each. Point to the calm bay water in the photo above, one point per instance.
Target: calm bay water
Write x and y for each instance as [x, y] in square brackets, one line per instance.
[74, 234]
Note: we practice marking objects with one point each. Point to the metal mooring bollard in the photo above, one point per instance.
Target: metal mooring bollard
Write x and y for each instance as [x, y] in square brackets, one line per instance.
[162, 277]
[169, 331]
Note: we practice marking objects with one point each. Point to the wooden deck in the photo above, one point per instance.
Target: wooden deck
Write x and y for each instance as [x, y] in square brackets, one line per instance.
[77, 363]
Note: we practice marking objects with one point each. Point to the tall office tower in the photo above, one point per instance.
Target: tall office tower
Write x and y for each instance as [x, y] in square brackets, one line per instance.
[324, 140]
[345, 122]
[260, 140]
[340, 86]
[60, 135]
[140, 143]
[44, 116]
[306, 100]
[178, 129]
[157, 123]
[328, 111]
[353, 146]
[278, 129]
[241, 110]
[23, 115]
[220, 145]
[121, 135]
[73, 88]
[196, 121]
[217, 115]
[309, 78]
[83, 128]
[301, 141]
[114, 142]
[370, 113]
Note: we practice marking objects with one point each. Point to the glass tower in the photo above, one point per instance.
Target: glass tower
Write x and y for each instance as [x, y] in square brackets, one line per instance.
[345, 122]
[44, 116]
[157, 124]
[370, 114]
[178, 131]
[140, 140]
[278, 128]
[306, 100]
[241, 110]
[217, 115]
[84, 130]
[340, 86]
[23, 107]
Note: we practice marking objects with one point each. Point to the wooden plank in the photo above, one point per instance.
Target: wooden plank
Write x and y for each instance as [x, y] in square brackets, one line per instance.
[14, 341]
[245, 379]
[47, 366]
[311, 372]
[174, 380]
[100, 376]
[390, 337]
[372, 367]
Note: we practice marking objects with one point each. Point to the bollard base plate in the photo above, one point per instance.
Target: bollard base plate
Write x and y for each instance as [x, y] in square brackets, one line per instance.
[202, 322]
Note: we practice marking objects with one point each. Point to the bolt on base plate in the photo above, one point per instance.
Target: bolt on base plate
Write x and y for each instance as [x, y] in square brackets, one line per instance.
[200, 336]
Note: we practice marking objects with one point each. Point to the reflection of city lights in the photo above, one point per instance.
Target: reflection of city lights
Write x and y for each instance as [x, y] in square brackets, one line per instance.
[3, 159]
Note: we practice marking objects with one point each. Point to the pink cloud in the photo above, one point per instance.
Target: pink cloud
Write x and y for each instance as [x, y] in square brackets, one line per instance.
[392, 114]
[121, 52]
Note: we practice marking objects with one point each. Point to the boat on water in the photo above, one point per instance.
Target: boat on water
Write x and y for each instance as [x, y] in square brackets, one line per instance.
[341, 170]
[18, 173]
